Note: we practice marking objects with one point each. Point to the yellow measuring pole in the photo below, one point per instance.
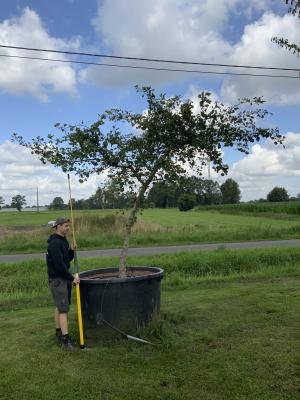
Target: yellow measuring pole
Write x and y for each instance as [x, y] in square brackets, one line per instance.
[79, 313]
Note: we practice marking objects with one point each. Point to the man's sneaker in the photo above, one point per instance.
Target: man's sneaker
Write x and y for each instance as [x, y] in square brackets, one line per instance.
[58, 335]
[67, 344]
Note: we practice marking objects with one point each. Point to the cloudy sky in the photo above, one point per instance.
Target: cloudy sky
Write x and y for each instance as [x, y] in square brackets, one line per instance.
[34, 95]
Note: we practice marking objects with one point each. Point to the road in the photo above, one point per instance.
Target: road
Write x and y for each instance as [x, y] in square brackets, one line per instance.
[150, 251]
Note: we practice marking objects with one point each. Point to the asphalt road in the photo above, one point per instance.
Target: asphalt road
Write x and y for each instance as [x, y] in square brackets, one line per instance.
[146, 251]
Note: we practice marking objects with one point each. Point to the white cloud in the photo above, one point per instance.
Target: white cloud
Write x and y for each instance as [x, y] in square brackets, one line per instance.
[256, 48]
[267, 166]
[169, 29]
[31, 76]
[21, 173]
[197, 31]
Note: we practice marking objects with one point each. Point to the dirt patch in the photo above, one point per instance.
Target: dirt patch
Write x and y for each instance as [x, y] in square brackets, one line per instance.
[115, 275]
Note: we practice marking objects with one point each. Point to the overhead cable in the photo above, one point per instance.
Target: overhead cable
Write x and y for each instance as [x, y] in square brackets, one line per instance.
[150, 68]
[148, 59]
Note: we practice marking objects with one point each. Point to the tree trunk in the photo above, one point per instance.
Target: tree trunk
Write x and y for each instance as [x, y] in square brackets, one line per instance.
[124, 252]
[131, 221]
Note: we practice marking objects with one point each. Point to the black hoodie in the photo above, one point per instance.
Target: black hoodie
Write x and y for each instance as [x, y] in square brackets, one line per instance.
[59, 256]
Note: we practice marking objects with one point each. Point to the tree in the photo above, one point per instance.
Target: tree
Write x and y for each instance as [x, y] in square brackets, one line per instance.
[115, 196]
[18, 202]
[163, 194]
[206, 191]
[163, 139]
[278, 194]
[2, 201]
[81, 204]
[231, 193]
[186, 202]
[57, 204]
[211, 193]
[294, 9]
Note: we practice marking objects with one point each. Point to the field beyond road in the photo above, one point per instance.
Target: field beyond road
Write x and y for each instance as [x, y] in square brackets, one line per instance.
[23, 232]
[229, 329]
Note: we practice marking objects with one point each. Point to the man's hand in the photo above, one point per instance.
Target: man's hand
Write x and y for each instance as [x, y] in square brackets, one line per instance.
[74, 245]
[76, 279]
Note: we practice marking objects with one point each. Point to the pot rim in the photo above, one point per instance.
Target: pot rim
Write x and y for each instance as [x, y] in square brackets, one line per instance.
[159, 272]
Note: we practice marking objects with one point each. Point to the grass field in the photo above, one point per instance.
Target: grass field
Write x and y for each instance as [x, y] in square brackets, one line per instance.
[229, 329]
[22, 232]
[278, 210]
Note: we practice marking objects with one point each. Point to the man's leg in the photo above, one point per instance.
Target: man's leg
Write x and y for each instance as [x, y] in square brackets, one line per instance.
[66, 340]
[58, 332]
[61, 294]
[56, 317]
[63, 323]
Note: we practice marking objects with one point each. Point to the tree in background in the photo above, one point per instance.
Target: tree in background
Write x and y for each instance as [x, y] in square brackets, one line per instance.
[161, 140]
[186, 202]
[231, 193]
[2, 201]
[278, 194]
[163, 195]
[206, 191]
[110, 196]
[81, 204]
[116, 196]
[18, 202]
[294, 9]
[57, 204]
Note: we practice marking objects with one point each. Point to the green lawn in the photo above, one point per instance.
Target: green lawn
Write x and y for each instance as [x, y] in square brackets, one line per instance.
[34, 218]
[229, 329]
[157, 227]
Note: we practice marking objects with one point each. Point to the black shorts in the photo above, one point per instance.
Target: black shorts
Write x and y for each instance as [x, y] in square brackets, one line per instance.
[61, 293]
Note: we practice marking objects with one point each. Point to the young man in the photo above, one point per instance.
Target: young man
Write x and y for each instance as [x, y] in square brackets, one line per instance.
[59, 255]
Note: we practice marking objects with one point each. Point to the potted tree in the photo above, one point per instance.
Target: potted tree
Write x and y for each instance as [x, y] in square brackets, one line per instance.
[138, 149]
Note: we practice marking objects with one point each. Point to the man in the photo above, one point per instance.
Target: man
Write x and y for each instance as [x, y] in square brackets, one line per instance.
[59, 255]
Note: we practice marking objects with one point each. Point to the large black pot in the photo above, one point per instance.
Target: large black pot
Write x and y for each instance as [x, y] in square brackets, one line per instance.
[125, 303]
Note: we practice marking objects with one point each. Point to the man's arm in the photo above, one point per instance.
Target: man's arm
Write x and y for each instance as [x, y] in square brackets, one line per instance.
[71, 250]
[71, 254]
[55, 253]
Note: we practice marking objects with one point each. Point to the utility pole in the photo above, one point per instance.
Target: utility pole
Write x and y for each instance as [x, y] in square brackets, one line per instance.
[37, 199]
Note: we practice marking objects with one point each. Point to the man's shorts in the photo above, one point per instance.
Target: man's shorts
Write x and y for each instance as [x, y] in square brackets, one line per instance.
[61, 293]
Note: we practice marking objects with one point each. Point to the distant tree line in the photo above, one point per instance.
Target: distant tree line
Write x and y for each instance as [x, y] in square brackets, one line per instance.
[193, 191]
[17, 202]
[185, 194]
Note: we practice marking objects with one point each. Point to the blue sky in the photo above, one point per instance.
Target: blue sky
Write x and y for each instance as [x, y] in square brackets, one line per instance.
[34, 95]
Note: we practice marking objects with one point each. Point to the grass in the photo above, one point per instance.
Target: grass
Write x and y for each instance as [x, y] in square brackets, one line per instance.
[229, 329]
[103, 229]
[280, 209]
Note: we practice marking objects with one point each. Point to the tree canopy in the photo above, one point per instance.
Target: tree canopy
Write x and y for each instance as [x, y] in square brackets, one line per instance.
[57, 204]
[18, 202]
[137, 149]
[231, 193]
[278, 194]
[294, 9]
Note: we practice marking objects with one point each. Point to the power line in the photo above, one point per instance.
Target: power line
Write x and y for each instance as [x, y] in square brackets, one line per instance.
[150, 68]
[149, 59]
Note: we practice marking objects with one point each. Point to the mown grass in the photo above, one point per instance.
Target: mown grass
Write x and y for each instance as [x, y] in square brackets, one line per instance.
[229, 329]
[154, 227]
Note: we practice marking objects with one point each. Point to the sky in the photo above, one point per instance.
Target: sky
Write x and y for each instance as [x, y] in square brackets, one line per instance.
[34, 95]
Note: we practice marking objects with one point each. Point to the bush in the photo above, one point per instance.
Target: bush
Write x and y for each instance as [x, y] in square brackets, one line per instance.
[186, 202]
